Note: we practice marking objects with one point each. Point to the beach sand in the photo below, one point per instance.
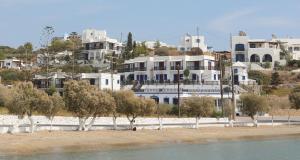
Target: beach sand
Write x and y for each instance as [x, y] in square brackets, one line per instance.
[52, 142]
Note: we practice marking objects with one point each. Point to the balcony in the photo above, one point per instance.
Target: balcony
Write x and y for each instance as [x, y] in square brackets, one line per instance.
[122, 70]
[160, 68]
[195, 67]
[140, 69]
[175, 67]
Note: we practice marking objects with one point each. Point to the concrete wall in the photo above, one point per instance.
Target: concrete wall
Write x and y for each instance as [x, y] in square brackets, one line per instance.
[10, 123]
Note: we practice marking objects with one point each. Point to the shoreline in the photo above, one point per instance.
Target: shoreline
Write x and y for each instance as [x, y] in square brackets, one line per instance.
[72, 141]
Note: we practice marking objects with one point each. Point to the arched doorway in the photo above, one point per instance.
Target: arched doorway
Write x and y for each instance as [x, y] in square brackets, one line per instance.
[254, 58]
[267, 58]
[155, 98]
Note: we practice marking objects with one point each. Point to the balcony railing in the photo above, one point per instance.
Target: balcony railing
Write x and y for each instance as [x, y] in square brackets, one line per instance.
[175, 67]
[160, 68]
[140, 69]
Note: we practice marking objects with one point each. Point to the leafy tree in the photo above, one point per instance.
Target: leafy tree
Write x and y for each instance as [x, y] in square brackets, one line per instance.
[51, 90]
[78, 95]
[85, 101]
[5, 94]
[102, 104]
[294, 98]
[275, 79]
[25, 100]
[162, 111]
[186, 73]
[157, 44]
[57, 105]
[129, 44]
[253, 104]
[133, 106]
[140, 49]
[199, 107]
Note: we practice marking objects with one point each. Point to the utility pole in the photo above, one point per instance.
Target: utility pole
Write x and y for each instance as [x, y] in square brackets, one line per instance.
[221, 82]
[73, 67]
[112, 62]
[232, 82]
[178, 89]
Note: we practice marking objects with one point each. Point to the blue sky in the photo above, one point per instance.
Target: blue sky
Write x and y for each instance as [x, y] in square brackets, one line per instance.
[165, 20]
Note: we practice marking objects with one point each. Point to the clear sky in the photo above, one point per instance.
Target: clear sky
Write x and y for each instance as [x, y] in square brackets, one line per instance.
[165, 20]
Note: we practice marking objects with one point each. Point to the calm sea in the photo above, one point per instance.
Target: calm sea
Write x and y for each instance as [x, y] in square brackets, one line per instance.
[277, 149]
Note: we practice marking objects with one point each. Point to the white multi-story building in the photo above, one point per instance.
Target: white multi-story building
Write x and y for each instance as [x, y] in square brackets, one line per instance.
[290, 44]
[188, 42]
[261, 51]
[163, 69]
[102, 80]
[97, 44]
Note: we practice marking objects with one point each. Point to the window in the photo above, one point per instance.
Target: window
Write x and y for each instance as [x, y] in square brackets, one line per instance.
[215, 77]
[92, 81]
[106, 81]
[166, 100]
[197, 40]
[243, 78]
[239, 47]
[175, 101]
[240, 58]
[296, 48]
[118, 81]
[252, 45]
[235, 70]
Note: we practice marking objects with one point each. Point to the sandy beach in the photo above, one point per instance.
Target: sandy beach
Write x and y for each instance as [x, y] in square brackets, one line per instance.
[52, 142]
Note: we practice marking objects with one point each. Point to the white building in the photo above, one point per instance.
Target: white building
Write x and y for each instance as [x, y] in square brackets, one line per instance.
[12, 63]
[163, 69]
[292, 45]
[97, 44]
[259, 51]
[240, 74]
[102, 80]
[188, 42]
[57, 79]
[152, 44]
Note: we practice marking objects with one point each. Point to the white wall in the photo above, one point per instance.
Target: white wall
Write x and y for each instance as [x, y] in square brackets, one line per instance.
[8, 122]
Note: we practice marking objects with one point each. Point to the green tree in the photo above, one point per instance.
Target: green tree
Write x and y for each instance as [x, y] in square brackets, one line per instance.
[57, 104]
[253, 104]
[25, 100]
[261, 78]
[199, 107]
[132, 106]
[157, 44]
[294, 98]
[186, 73]
[78, 95]
[275, 79]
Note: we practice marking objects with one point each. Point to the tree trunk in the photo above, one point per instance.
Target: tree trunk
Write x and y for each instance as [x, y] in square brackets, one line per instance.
[131, 121]
[32, 128]
[272, 120]
[51, 123]
[115, 122]
[81, 124]
[289, 119]
[197, 123]
[89, 126]
[160, 120]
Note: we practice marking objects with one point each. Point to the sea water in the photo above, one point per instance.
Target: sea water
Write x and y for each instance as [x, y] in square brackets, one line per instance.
[276, 149]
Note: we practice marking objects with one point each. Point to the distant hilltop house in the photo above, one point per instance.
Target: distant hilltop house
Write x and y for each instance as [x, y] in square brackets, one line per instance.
[96, 45]
[60, 58]
[189, 42]
[262, 51]
[11, 63]
[153, 44]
